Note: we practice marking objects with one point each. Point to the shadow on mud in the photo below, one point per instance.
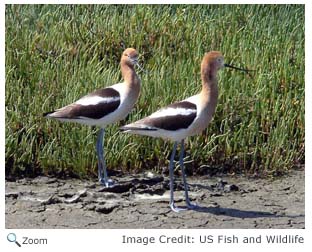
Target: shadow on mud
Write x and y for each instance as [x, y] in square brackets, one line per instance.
[240, 213]
[234, 212]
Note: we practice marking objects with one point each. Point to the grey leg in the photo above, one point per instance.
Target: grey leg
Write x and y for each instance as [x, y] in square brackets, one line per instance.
[188, 202]
[171, 169]
[102, 172]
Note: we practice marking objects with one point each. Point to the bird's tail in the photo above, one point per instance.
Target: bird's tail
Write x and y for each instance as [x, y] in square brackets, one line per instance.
[132, 127]
[46, 114]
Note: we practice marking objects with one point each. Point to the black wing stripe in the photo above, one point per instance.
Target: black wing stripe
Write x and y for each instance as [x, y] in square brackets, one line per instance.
[174, 122]
[92, 111]
[183, 104]
[105, 92]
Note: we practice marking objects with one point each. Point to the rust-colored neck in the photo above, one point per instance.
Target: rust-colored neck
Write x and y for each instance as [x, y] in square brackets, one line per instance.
[209, 76]
[209, 93]
[128, 73]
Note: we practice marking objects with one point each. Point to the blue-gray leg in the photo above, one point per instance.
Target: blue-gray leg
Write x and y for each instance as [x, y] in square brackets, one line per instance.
[187, 199]
[171, 171]
[102, 172]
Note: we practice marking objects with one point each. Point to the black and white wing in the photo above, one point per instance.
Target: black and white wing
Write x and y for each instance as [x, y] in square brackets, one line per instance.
[93, 106]
[179, 115]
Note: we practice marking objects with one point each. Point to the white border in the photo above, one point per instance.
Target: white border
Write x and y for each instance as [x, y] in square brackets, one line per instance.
[104, 240]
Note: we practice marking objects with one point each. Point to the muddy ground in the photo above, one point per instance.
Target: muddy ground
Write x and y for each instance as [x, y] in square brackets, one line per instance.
[141, 201]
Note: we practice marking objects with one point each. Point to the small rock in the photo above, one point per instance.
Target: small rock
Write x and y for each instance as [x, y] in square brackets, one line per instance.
[82, 193]
[149, 174]
[107, 208]
[230, 188]
[50, 200]
[216, 195]
[13, 195]
[73, 199]
[286, 188]
[118, 188]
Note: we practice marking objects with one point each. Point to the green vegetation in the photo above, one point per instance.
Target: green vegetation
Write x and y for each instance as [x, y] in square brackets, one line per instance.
[57, 53]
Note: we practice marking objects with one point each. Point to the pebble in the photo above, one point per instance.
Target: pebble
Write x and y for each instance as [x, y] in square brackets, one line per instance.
[107, 208]
[230, 188]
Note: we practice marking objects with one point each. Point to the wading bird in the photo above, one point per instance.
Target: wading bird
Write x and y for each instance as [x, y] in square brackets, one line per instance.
[185, 118]
[105, 106]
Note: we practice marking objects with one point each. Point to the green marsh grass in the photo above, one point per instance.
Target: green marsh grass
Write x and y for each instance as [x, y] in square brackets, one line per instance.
[57, 53]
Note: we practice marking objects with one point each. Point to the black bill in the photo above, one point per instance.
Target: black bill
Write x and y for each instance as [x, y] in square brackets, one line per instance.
[237, 68]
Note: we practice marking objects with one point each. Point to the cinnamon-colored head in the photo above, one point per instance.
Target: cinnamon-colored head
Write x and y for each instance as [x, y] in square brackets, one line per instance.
[130, 56]
[213, 61]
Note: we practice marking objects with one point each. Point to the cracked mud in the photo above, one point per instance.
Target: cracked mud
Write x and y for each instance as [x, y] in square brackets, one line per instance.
[141, 201]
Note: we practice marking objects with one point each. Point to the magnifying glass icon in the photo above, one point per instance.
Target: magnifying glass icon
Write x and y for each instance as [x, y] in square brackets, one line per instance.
[12, 238]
